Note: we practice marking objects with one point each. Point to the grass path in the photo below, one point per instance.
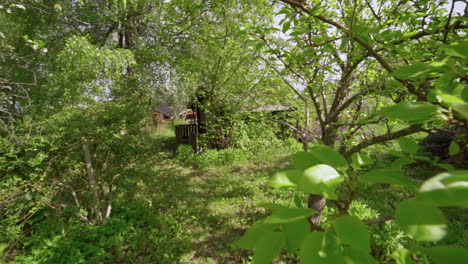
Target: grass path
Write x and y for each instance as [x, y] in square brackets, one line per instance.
[211, 208]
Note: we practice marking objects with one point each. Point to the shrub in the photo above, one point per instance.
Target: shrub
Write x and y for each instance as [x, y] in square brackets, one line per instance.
[291, 145]
[185, 153]
[125, 238]
[255, 136]
[206, 159]
[231, 156]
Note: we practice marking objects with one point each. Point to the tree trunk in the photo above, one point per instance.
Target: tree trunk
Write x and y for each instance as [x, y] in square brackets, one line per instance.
[92, 181]
[109, 204]
[317, 203]
[305, 145]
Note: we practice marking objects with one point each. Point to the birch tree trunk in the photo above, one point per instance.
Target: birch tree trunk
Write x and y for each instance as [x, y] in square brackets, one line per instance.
[92, 181]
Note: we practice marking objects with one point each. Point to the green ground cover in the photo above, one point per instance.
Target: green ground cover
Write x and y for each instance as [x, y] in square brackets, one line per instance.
[173, 212]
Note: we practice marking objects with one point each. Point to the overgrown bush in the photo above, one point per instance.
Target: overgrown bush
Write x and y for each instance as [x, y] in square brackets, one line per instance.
[126, 238]
[255, 136]
[74, 172]
[185, 154]
[291, 145]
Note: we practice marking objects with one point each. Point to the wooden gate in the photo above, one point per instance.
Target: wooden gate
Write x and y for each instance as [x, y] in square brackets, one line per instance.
[188, 135]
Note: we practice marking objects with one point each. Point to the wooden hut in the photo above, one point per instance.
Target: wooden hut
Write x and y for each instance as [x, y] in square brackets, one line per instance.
[162, 114]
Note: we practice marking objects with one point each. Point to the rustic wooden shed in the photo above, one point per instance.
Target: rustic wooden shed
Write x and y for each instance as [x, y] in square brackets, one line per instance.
[161, 114]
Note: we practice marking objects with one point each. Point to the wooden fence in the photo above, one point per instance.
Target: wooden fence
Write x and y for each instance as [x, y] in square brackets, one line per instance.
[187, 134]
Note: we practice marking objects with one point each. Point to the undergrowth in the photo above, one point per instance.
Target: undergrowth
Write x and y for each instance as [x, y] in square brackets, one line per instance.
[169, 212]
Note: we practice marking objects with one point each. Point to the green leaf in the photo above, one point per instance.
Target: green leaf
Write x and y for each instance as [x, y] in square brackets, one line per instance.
[259, 46]
[286, 26]
[422, 158]
[302, 160]
[450, 100]
[462, 109]
[455, 102]
[459, 50]
[257, 231]
[321, 248]
[353, 232]
[58, 7]
[445, 189]
[454, 148]
[295, 233]
[396, 153]
[285, 10]
[457, 178]
[388, 176]
[361, 159]
[321, 179]
[329, 156]
[3, 247]
[414, 71]
[357, 256]
[403, 256]
[416, 112]
[399, 163]
[268, 247]
[408, 145]
[283, 214]
[274, 206]
[421, 222]
[19, 6]
[298, 200]
[287, 178]
[445, 166]
[447, 254]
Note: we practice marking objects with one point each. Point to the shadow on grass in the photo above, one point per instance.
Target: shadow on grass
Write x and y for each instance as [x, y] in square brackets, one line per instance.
[209, 209]
[164, 212]
[186, 197]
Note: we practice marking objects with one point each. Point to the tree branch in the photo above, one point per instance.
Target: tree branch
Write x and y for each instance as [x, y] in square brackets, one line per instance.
[373, 12]
[447, 26]
[284, 80]
[329, 21]
[384, 138]
[344, 84]
[379, 220]
[373, 52]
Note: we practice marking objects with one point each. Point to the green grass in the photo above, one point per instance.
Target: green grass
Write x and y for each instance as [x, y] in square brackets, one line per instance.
[165, 212]
[169, 212]
[214, 205]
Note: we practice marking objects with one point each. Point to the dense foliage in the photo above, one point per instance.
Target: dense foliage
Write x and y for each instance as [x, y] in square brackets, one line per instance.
[336, 131]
